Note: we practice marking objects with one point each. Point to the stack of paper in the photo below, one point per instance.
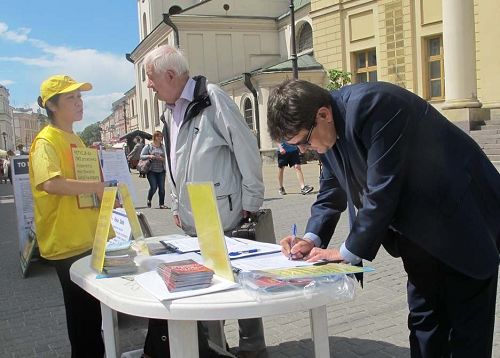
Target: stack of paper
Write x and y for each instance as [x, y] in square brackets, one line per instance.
[120, 262]
[185, 275]
[157, 248]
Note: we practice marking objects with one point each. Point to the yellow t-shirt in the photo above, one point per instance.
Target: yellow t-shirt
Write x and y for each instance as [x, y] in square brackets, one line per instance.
[63, 230]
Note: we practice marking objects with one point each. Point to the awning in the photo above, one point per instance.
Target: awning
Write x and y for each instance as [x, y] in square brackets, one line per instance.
[137, 132]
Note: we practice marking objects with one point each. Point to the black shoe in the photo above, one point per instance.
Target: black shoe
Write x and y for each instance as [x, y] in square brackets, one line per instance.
[149, 203]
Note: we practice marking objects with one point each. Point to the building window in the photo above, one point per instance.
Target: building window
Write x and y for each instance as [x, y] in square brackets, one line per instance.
[144, 26]
[157, 111]
[435, 67]
[366, 66]
[248, 112]
[143, 73]
[304, 38]
[146, 115]
[133, 107]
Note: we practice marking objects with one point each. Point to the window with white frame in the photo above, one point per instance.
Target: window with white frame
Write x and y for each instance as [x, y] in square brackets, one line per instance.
[146, 115]
[248, 112]
[435, 68]
[366, 66]
[304, 38]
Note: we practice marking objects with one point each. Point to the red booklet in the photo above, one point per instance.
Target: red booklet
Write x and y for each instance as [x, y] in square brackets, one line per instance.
[185, 275]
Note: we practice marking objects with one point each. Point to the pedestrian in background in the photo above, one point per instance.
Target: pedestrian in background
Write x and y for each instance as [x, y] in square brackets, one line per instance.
[207, 139]
[422, 188]
[65, 232]
[10, 154]
[155, 152]
[3, 177]
[135, 154]
[6, 169]
[289, 155]
[21, 151]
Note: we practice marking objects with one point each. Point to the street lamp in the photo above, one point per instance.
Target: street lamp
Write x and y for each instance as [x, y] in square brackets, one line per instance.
[4, 135]
[125, 116]
[295, 67]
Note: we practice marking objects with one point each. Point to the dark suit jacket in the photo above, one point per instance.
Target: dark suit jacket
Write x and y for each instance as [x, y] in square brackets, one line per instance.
[412, 172]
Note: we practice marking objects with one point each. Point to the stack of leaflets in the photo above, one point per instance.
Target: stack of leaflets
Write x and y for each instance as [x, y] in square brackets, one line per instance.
[120, 262]
[185, 275]
[157, 248]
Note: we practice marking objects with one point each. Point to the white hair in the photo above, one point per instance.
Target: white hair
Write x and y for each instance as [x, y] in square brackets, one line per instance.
[166, 57]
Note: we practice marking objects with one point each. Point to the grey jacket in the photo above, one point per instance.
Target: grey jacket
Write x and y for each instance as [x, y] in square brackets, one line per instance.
[215, 144]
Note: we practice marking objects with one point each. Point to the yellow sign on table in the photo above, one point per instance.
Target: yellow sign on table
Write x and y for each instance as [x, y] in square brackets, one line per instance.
[130, 210]
[209, 228]
[102, 231]
[86, 162]
[135, 226]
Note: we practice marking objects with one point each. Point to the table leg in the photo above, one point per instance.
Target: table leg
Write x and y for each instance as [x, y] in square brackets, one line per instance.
[110, 329]
[319, 331]
[183, 338]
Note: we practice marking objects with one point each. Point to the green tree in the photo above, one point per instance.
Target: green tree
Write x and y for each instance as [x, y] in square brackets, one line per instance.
[337, 79]
[91, 133]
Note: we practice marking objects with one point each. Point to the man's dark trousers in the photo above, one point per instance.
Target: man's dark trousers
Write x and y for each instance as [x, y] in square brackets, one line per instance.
[451, 315]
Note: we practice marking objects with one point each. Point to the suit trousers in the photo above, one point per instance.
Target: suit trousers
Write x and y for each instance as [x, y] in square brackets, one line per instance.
[83, 313]
[451, 314]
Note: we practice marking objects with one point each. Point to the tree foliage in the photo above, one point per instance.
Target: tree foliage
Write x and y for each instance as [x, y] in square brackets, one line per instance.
[337, 79]
[91, 134]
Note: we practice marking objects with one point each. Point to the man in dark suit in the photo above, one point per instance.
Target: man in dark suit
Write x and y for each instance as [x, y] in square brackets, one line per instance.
[414, 183]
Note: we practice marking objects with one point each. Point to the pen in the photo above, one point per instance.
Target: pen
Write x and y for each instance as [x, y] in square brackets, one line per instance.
[294, 235]
[236, 253]
[325, 262]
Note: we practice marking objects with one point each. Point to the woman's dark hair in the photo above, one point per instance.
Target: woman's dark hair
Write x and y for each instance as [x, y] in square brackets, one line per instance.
[54, 100]
[292, 106]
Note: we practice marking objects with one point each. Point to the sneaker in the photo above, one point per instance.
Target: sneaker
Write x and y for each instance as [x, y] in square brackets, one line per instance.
[282, 191]
[306, 189]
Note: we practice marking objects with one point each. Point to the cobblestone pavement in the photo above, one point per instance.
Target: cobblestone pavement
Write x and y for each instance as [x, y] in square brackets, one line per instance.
[32, 321]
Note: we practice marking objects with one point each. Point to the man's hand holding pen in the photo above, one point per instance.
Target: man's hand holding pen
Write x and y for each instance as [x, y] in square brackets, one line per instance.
[303, 249]
[296, 248]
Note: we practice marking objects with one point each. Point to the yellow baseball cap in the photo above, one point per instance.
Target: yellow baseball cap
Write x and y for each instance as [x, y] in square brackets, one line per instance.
[60, 84]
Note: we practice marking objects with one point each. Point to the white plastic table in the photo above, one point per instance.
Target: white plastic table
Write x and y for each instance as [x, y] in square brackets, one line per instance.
[122, 295]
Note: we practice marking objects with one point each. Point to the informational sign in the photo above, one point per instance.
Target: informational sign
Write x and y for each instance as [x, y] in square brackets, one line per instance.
[102, 230]
[23, 199]
[115, 167]
[86, 162]
[209, 228]
[120, 224]
[130, 210]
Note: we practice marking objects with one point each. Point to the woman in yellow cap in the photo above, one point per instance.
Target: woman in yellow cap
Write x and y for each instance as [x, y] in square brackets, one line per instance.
[64, 231]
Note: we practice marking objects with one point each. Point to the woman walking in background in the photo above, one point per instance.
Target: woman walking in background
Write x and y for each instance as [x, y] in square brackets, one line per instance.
[155, 152]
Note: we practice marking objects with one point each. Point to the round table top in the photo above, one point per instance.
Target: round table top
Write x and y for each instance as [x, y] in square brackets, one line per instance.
[127, 296]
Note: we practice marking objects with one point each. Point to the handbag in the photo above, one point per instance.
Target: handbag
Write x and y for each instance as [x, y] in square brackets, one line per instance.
[143, 166]
[258, 227]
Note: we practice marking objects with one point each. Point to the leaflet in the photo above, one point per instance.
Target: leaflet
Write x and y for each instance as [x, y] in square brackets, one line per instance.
[237, 248]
